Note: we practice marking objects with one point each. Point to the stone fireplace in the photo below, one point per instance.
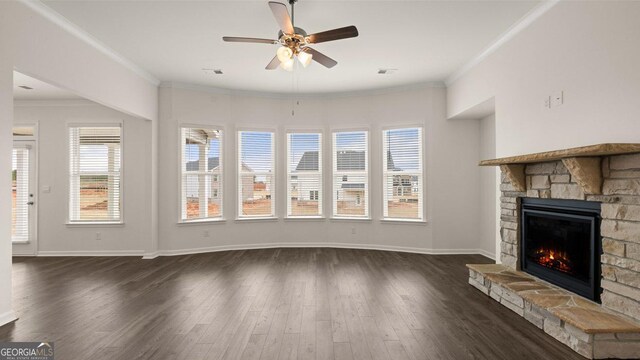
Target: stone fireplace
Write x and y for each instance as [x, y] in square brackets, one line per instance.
[570, 249]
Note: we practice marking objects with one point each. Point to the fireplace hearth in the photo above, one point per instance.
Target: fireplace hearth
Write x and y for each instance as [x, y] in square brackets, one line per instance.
[561, 243]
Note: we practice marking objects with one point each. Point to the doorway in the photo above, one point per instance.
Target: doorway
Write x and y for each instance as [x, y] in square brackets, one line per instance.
[23, 201]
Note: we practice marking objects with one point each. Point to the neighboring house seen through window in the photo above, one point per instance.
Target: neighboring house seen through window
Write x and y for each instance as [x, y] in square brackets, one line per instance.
[350, 152]
[304, 174]
[94, 174]
[201, 180]
[256, 180]
[402, 173]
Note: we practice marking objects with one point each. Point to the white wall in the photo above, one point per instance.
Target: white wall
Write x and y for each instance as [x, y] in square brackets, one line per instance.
[586, 49]
[36, 46]
[489, 196]
[6, 114]
[54, 236]
[43, 49]
[452, 179]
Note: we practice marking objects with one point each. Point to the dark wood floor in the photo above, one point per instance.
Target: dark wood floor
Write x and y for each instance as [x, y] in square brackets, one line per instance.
[268, 304]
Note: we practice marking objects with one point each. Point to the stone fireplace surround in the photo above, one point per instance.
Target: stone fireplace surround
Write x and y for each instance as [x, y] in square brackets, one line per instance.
[606, 173]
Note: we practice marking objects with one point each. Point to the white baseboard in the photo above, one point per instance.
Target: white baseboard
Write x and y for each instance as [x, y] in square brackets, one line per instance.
[325, 245]
[7, 317]
[150, 256]
[488, 254]
[209, 249]
[93, 253]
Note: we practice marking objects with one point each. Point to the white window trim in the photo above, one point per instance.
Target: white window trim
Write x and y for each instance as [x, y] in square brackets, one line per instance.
[274, 174]
[422, 172]
[94, 223]
[334, 216]
[321, 163]
[212, 220]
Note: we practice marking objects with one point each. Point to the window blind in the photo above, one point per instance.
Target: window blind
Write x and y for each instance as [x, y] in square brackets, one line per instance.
[402, 173]
[350, 174]
[20, 194]
[304, 174]
[256, 182]
[95, 179]
[202, 166]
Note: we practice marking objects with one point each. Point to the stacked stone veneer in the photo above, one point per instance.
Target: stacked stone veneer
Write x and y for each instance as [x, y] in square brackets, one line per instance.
[582, 325]
[620, 227]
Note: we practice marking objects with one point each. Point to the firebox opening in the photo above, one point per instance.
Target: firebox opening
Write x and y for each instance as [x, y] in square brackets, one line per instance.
[561, 243]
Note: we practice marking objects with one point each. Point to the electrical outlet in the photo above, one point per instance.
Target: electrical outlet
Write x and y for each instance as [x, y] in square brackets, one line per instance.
[98, 236]
[557, 99]
[205, 233]
[547, 102]
[353, 231]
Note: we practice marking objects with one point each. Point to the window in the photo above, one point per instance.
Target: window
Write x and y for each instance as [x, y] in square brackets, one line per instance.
[20, 196]
[201, 173]
[304, 174]
[94, 176]
[256, 182]
[402, 173]
[351, 174]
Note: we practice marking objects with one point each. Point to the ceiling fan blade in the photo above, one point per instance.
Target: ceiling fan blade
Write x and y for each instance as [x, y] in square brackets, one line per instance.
[321, 58]
[248, 40]
[281, 14]
[335, 34]
[275, 62]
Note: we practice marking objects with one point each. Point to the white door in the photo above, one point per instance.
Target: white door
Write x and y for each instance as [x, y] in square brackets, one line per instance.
[23, 208]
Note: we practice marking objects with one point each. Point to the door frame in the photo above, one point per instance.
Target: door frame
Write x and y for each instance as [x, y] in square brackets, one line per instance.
[29, 248]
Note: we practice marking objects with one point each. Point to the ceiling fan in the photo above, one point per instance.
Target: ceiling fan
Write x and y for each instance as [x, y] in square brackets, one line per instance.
[295, 41]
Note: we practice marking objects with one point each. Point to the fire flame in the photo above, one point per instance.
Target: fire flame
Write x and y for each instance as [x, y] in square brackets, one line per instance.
[553, 259]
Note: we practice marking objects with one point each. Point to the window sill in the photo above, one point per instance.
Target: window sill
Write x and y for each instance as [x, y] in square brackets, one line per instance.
[95, 224]
[202, 222]
[356, 219]
[305, 218]
[257, 219]
[403, 221]
[20, 242]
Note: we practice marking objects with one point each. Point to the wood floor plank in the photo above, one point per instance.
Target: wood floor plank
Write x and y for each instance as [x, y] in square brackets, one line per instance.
[307, 347]
[324, 340]
[270, 304]
[342, 351]
[290, 347]
[275, 337]
[253, 350]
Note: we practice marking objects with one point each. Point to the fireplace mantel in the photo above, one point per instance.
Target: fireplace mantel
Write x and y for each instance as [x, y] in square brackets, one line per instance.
[584, 151]
[584, 164]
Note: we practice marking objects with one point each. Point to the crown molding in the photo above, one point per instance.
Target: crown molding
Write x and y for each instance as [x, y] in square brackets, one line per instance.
[83, 35]
[516, 28]
[279, 95]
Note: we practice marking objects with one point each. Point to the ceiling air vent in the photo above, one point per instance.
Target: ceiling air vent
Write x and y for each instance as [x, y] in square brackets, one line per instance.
[386, 71]
[213, 71]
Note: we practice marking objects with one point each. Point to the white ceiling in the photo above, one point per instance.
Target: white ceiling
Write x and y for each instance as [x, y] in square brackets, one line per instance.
[174, 40]
[40, 89]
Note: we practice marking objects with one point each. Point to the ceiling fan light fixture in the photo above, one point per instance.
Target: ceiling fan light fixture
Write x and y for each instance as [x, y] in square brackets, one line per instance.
[284, 54]
[305, 58]
[287, 65]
